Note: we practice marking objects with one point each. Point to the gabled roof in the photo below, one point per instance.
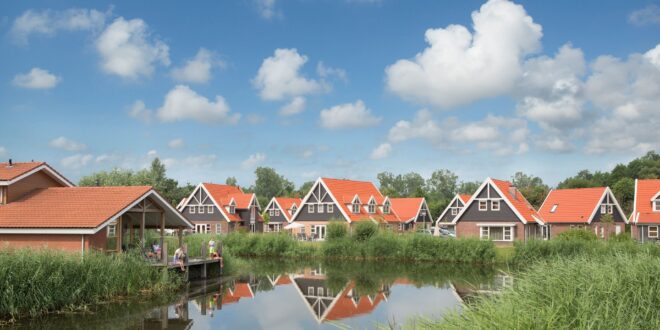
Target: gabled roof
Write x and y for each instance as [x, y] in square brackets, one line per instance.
[516, 201]
[285, 204]
[407, 209]
[82, 208]
[222, 195]
[462, 198]
[572, 205]
[645, 191]
[18, 171]
[346, 305]
[344, 191]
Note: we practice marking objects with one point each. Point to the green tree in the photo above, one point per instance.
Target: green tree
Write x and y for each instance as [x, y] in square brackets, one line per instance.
[231, 181]
[624, 190]
[270, 184]
[442, 185]
[532, 187]
[304, 189]
[468, 187]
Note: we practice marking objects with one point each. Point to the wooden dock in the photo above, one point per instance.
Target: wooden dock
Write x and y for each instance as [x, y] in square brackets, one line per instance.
[195, 268]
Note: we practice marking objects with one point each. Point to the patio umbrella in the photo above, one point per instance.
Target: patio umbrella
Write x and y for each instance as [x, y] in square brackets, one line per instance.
[294, 225]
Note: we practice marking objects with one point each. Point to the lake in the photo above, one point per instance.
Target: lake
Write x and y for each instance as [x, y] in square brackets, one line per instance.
[278, 294]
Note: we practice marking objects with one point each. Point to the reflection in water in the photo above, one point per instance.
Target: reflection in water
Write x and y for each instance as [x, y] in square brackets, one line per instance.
[278, 294]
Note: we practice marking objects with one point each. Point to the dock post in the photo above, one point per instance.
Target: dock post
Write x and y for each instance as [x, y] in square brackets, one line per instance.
[204, 251]
[163, 253]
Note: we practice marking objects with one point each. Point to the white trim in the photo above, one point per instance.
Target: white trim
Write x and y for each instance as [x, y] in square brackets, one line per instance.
[616, 203]
[469, 202]
[46, 231]
[309, 194]
[492, 205]
[201, 186]
[52, 173]
[457, 196]
[497, 224]
[483, 202]
[657, 230]
[634, 210]
[656, 196]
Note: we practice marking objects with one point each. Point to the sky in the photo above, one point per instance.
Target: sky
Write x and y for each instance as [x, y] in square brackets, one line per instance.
[337, 88]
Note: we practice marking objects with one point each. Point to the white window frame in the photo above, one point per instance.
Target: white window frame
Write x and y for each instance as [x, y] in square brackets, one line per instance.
[192, 209]
[201, 228]
[507, 233]
[293, 209]
[201, 209]
[320, 291]
[386, 207]
[271, 212]
[232, 208]
[277, 213]
[331, 208]
[610, 209]
[112, 230]
[372, 207]
[218, 229]
[554, 208]
[320, 208]
[355, 208]
[655, 229]
[310, 208]
[310, 291]
[209, 209]
[208, 227]
[492, 205]
[485, 205]
[484, 233]
[454, 211]
[656, 205]
[603, 209]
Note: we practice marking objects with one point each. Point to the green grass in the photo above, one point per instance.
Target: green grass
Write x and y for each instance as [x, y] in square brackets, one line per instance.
[34, 282]
[581, 292]
[504, 254]
[529, 252]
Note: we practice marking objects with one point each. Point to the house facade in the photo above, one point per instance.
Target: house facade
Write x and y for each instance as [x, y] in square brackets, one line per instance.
[341, 200]
[410, 213]
[280, 211]
[582, 208]
[220, 209]
[645, 218]
[451, 211]
[39, 208]
[499, 212]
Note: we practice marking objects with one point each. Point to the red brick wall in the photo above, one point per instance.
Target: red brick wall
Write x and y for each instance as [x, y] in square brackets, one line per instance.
[470, 229]
[97, 241]
[34, 181]
[59, 242]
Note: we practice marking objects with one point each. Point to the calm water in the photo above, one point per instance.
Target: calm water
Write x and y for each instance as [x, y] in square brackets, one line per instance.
[308, 295]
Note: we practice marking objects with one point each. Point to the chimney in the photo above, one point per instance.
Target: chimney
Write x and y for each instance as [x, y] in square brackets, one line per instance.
[512, 192]
[10, 163]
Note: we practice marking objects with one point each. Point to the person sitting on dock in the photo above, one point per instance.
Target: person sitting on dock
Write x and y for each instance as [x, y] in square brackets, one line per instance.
[180, 257]
[215, 252]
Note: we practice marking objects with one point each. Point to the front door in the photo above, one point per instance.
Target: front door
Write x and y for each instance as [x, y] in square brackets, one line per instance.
[318, 231]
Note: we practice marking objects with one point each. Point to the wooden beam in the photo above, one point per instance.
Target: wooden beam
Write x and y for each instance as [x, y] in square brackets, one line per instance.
[120, 226]
[144, 218]
[162, 236]
[131, 232]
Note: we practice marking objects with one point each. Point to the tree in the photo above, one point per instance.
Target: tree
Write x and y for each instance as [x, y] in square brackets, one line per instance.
[468, 188]
[269, 184]
[231, 181]
[304, 189]
[624, 190]
[442, 184]
[407, 185]
[532, 187]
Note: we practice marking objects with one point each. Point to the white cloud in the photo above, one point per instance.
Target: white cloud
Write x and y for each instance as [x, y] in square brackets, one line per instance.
[296, 106]
[253, 161]
[460, 67]
[139, 110]
[176, 144]
[348, 115]
[382, 151]
[183, 103]
[36, 79]
[76, 161]
[128, 50]
[266, 9]
[279, 76]
[326, 72]
[152, 153]
[67, 144]
[648, 15]
[254, 119]
[49, 22]
[421, 127]
[197, 69]
[555, 143]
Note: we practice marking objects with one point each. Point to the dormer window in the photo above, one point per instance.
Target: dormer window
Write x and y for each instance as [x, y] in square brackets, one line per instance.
[372, 206]
[232, 207]
[554, 208]
[356, 205]
[293, 209]
[656, 206]
[386, 207]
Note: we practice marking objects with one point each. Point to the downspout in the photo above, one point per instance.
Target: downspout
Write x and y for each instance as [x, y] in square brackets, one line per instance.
[82, 245]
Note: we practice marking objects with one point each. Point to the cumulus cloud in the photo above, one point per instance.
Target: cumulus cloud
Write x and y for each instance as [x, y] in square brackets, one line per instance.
[36, 79]
[254, 119]
[296, 106]
[326, 72]
[555, 143]
[348, 115]
[197, 69]
[128, 50]
[279, 76]
[139, 110]
[445, 74]
[49, 22]
[183, 103]
[648, 15]
[67, 144]
[76, 161]
[176, 144]
[253, 161]
[266, 9]
[381, 151]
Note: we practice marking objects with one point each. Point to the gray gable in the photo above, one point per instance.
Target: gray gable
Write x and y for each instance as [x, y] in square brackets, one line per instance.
[605, 201]
[505, 213]
[318, 195]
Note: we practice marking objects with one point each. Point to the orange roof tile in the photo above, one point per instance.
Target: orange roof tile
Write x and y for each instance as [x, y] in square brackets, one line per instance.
[345, 306]
[464, 198]
[518, 201]
[283, 280]
[286, 204]
[644, 191]
[345, 190]
[573, 205]
[223, 194]
[69, 207]
[407, 208]
[8, 173]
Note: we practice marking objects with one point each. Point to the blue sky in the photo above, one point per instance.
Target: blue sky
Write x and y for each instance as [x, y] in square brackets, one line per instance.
[330, 88]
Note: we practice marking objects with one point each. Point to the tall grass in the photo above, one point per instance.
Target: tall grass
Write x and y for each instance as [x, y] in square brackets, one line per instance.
[528, 252]
[33, 282]
[584, 292]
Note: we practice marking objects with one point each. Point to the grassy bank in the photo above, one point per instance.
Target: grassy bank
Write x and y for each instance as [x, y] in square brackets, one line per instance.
[527, 253]
[37, 282]
[583, 292]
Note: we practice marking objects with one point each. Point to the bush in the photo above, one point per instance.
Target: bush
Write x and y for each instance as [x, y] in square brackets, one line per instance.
[363, 230]
[577, 234]
[621, 238]
[385, 245]
[336, 230]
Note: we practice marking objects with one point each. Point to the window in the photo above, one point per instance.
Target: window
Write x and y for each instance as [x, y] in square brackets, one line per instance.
[483, 205]
[192, 209]
[356, 207]
[218, 228]
[454, 211]
[319, 291]
[112, 230]
[495, 205]
[200, 209]
[331, 208]
[277, 213]
[208, 227]
[2, 195]
[498, 234]
[372, 206]
[508, 233]
[484, 233]
[603, 209]
[310, 291]
[271, 212]
[610, 209]
[653, 231]
[386, 207]
[202, 228]
[232, 208]
[209, 209]
[320, 208]
[293, 209]
[656, 206]
[553, 209]
[310, 207]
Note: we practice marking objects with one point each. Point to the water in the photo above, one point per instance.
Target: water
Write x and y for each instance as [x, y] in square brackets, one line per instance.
[276, 294]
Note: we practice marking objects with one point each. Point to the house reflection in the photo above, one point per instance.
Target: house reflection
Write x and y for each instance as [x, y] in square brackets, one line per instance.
[466, 292]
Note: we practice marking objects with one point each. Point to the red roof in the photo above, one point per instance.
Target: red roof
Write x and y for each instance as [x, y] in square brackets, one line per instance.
[345, 306]
[464, 198]
[241, 290]
[345, 190]
[517, 199]
[69, 207]
[8, 173]
[223, 195]
[644, 191]
[283, 280]
[286, 204]
[572, 205]
[407, 208]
